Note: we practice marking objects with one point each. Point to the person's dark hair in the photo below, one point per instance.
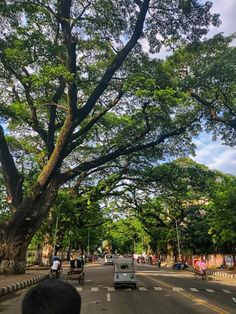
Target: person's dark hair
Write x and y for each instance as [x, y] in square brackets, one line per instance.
[52, 296]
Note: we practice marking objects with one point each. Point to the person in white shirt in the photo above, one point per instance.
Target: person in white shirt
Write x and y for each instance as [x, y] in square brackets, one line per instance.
[55, 268]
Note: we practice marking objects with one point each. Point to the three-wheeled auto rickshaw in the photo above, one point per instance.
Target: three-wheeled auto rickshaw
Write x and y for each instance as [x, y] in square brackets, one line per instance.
[124, 273]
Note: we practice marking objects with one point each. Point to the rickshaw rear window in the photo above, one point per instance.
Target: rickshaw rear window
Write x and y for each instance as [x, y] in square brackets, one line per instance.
[124, 266]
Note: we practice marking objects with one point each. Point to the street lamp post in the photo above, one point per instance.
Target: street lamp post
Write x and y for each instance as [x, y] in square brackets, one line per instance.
[177, 235]
[88, 241]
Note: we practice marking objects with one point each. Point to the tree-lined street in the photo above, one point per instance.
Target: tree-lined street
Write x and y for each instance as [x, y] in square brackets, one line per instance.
[158, 291]
[96, 138]
[89, 114]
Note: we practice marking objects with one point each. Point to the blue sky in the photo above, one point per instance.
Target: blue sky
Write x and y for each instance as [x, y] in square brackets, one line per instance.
[227, 11]
[215, 155]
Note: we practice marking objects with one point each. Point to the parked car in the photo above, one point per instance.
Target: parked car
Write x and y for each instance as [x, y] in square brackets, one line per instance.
[109, 260]
[124, 273]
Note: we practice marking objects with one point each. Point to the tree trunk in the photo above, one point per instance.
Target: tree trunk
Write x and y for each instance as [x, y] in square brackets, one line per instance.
[16, 234]
[13, 254]
[170, 254]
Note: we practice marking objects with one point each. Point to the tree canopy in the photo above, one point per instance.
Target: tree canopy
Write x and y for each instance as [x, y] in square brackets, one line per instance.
[82, 99]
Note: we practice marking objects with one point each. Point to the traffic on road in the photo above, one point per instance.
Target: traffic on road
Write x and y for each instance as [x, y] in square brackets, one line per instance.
[157, 290]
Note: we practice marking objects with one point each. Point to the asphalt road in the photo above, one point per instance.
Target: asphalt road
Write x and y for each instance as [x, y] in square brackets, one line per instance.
[159, 291]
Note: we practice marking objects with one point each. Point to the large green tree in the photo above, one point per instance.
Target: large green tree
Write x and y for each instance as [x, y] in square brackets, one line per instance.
[184, 187]
[222, 215]
[170, 199]
[206, 71]
[69, 101]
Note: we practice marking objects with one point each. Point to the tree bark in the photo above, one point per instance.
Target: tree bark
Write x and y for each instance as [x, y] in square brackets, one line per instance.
[16, 234]
[11, 175]
[170, 254]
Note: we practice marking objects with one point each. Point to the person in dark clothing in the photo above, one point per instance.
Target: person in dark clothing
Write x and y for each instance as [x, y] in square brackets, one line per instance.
[80, 262]
[52, 297]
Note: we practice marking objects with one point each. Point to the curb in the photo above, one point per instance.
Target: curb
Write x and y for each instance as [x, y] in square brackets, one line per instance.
[221, 274]
[209, 272]
[218, 273]
[20, 285]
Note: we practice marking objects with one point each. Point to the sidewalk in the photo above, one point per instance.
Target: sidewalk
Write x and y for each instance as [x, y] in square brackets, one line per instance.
[231, 274]
[10, 283]
[222, 273]
[215, 272]
[34, 274]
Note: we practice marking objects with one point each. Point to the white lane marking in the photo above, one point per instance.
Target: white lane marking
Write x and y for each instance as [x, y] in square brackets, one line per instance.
[178, 289]
[210, 290]
[108, 297]
[109, 289]
[142, 289]
[194, 289]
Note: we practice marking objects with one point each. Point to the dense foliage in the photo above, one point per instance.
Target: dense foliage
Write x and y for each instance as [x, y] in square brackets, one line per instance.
[83, 100]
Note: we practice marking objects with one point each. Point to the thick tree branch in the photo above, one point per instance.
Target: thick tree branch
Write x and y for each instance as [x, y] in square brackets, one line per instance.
[52, 117]
[79, 136]
[34, 123]
[80, 15]
[212, 112]
[70, 43]
[11, 175]
[118, 61]
[122, 151]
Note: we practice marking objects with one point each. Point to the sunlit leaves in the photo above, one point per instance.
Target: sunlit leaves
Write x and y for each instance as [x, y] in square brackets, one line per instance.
[50, 73]
[222, 217]
[207, 72]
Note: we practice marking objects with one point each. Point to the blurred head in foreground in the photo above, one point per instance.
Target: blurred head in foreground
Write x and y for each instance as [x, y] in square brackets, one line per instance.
[52, 296]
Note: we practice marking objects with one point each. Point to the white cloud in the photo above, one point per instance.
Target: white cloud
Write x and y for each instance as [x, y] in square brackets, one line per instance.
[227, 11]
[215, 155]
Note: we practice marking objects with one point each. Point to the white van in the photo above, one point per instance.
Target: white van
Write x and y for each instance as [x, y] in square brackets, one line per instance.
[109, 260]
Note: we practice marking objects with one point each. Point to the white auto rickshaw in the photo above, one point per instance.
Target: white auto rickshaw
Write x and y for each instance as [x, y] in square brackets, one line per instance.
[109, 260]
[124, 273]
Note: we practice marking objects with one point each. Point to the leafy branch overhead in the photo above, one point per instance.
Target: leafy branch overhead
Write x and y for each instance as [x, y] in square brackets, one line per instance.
[80, 97]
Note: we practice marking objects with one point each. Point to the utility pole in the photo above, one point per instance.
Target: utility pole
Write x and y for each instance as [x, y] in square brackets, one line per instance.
[177, 233]
[55, 237]
[88, 241]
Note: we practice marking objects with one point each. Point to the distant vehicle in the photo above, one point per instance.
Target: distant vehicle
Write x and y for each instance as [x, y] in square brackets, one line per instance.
[109, 260]
[124, 273]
